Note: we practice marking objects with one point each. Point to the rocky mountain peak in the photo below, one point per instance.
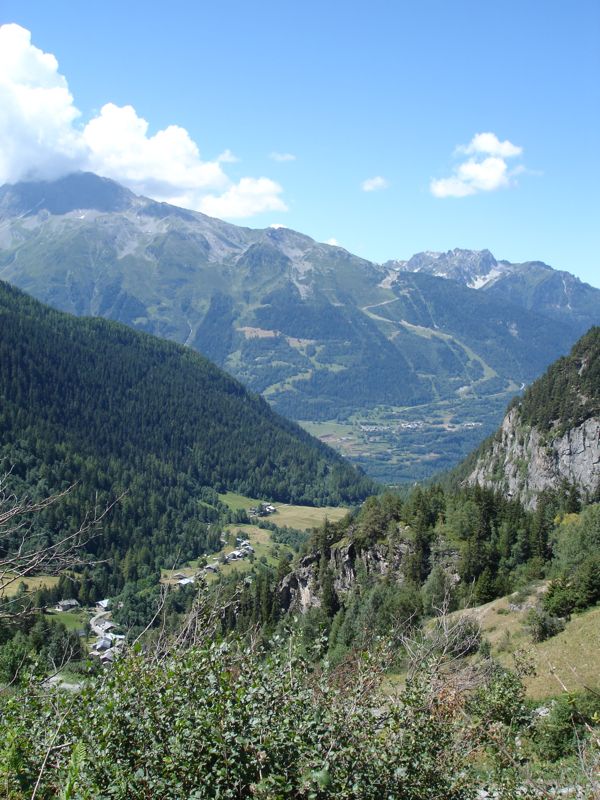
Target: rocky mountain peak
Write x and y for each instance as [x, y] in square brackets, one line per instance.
[475, 268]
[78, 191]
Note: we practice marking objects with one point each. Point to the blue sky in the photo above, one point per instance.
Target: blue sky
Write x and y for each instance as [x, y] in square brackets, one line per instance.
[386, 96]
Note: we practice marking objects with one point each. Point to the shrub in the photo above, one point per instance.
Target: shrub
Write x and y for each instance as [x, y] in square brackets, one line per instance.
[218, 721]
[542, 625]
[570, 719]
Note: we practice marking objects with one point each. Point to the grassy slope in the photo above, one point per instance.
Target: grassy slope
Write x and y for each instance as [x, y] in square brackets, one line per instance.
[32, 584]
[571, 657]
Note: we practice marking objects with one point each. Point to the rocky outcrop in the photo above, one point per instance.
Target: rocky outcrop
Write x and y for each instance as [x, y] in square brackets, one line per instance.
[299, 591]
[523, 461]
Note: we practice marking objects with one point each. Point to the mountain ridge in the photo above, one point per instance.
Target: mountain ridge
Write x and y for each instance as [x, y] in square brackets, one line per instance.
[101, 388]
[327, 337]
[532, 284]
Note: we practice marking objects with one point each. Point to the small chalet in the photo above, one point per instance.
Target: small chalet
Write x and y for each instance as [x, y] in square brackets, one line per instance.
[67, 605]
[108, 656]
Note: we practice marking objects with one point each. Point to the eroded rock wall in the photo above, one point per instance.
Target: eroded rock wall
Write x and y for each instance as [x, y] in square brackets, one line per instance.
[299, 591]
[524, 461]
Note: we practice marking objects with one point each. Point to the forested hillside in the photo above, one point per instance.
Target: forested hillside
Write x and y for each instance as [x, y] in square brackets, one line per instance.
[569, 391]
[551, 436]
[122, 414]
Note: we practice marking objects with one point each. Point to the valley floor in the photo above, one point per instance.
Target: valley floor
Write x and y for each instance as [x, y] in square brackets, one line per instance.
[407, 444]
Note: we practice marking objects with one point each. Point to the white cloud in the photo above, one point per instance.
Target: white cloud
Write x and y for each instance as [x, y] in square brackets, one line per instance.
[41, 137]
[166, 165]
[282, 157]
[227, 157]
[37, 135]
[333, 241]
[489, 144]
[247, 197]
[486, 171]
[374, 184]
[277, 225]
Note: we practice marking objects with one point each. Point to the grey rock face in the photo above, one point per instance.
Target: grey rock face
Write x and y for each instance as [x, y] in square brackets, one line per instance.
[523, 461]
[299, 591]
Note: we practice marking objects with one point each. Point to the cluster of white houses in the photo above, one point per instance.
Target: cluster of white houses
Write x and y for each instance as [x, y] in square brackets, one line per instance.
[243, 550]
[108, 644]
[262, 510]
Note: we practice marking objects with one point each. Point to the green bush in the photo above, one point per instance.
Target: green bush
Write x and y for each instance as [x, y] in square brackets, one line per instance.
[542, 625]
[560, 732]
[220, 722]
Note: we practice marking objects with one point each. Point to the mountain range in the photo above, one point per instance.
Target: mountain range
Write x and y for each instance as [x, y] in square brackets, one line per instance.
[532, 284]
[379, 360]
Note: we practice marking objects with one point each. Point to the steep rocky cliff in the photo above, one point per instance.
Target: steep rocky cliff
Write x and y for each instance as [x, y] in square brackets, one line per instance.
[552, 436]
[300, 590]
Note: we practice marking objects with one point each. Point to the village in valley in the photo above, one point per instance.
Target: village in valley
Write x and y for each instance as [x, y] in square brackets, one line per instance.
[243, 549]
[108, 642]
[242, 544]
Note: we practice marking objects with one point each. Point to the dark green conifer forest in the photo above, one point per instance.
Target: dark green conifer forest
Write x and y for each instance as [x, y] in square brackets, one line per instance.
[119, 414]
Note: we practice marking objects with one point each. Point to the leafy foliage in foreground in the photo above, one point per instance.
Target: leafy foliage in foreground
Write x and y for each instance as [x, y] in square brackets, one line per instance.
[218, 721]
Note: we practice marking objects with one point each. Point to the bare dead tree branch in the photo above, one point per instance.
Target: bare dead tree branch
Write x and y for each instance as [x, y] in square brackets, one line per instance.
[25, 553]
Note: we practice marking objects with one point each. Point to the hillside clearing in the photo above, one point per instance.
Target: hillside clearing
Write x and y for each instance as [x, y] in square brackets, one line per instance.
[570, 658]
[32, 584]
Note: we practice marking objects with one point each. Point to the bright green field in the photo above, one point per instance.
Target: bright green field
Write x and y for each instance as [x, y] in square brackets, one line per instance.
[238, 501]
[72, 620]
[300, 517]
[305, 517]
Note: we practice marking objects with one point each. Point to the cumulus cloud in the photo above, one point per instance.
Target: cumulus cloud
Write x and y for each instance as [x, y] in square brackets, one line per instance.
[37, 132]
[489, 144]
[282, 157]
[165, 165]
[227, 157]
[42, 137]
[486, 170]
[248, 196]
[374, 184]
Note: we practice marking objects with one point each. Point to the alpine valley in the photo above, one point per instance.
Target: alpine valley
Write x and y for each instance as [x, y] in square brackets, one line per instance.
[379, 360]
[261, 626]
